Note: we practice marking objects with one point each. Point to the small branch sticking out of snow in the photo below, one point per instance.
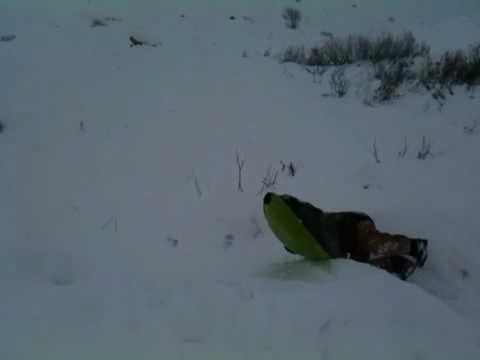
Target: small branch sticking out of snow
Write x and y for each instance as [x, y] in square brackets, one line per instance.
[316, 72]
[257, 230]
[106, 223]
[471, 129]
[240, 164]
[269, 180]
[403, 152]
[375, 152]
[197, 186]
[135, 41]
[172, 241]
[425, 149]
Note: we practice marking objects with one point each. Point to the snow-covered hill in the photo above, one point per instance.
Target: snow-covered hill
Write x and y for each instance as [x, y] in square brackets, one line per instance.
[124, 234]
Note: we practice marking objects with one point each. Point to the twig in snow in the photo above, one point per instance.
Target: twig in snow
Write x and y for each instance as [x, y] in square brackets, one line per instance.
[240, 164]
[290, 168]
[425, 149]
[172, 241]
[197, 187]
[257, 230]
[317, 72]
[97, 23]
[269, 180]
[472, 129]
[375, 152]
[106, 223]
[403, 152]
[134, 41]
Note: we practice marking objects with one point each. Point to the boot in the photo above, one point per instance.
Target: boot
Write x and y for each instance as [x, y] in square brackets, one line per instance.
[402, 266]
[419, 251]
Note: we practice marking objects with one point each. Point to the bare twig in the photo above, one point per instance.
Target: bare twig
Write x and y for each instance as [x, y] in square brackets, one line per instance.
[403, 152]
[97, 23]
[425, 149]
[197, 187]
[257, 231]
[338, 82]
[173, 242]
[269, 180]
[106, 223]
[317, 72]
[375, 152]
[472, 129]
[290, 168]
[240, 164]
[439, 97]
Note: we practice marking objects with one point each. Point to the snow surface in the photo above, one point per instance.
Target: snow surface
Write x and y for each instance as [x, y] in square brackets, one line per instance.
[124, 235]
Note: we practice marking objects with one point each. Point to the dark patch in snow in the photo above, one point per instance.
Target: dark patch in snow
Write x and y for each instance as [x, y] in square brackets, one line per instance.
[232, 17]
[135, 41]
[172, 241]
[257, 230]
[327, 34]
[471, 129]
[248, 19]
[2, 127]
[325, 326]
[101, 22]
[464, 273]
[97, 23]
[228, 241]
[62, 278]
[7, 38]
[111, 19]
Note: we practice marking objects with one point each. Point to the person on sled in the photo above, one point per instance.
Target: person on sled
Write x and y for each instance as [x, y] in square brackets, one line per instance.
[315, 234]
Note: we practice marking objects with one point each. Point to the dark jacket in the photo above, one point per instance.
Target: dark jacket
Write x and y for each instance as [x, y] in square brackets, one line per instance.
[337, 232]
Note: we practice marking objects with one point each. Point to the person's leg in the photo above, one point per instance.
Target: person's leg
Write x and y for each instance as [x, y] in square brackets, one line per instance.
[402, 266]
[380, 245]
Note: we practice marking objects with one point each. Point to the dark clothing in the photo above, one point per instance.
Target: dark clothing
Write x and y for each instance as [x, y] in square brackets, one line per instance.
[352, 235]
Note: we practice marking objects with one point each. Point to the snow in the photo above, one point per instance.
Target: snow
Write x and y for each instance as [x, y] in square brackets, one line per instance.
[124, 235]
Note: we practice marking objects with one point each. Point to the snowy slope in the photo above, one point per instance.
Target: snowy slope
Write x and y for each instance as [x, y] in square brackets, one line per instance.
[124, 234]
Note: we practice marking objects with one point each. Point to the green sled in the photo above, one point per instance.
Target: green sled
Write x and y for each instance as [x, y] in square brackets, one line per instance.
[289, 229]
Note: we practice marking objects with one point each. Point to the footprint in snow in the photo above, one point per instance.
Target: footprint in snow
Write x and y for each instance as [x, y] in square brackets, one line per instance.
[228, 241]
[172, 241]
